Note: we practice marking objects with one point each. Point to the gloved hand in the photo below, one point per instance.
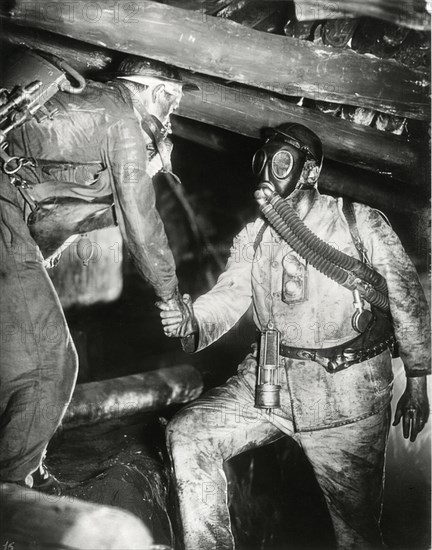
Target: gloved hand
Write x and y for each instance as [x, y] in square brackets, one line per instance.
[177, 316]
[413, 408]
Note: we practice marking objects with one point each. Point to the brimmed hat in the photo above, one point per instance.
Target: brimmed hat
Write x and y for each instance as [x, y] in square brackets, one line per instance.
[141, 70]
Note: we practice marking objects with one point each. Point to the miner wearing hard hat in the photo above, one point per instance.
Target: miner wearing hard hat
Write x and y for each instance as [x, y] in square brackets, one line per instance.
[93, 155]
[329, 316]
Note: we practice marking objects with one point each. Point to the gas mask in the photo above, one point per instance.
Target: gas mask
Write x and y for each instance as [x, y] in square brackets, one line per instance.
[280, 164]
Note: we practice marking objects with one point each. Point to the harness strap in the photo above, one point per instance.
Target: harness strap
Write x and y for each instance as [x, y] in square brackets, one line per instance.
[348, 210]
[259, 236]
[157, 133]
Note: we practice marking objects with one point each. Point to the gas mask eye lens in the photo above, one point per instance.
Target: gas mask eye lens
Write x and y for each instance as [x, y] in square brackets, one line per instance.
[282, 164]
[258, 162]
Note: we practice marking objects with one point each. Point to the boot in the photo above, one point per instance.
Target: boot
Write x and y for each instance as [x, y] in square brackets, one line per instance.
[46, 482]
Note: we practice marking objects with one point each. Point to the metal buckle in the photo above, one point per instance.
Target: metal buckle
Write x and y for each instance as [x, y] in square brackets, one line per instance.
[349, 354]
[335, 366]
[313, 356]
[303, 354]
[11, 171]
[21, 162]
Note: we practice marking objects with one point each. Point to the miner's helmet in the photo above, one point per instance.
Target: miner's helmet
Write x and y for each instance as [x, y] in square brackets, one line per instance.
[145, 71]
[300, 137]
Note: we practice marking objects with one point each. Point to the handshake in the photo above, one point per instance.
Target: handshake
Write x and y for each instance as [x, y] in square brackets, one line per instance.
[177, 316]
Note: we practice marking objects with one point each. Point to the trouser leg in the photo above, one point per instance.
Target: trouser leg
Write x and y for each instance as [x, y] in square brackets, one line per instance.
[349, 465]
[219, 425]
[38, 361]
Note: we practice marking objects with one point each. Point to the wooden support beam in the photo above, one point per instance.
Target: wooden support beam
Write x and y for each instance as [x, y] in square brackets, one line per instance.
[247, 111]
[227, 50]
[31, 519]
[94, 402]
[372, 189]
[412, 14]
[87, 59]
[211, 7]
[257, 14]
[359, 185]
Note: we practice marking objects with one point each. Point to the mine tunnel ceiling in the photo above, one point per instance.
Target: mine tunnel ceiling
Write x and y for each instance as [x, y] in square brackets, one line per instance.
[359, 77]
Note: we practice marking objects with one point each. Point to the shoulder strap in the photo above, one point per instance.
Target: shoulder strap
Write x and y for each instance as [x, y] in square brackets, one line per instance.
[152, 128]
[259, 236]
[156, 132]
[349, 214]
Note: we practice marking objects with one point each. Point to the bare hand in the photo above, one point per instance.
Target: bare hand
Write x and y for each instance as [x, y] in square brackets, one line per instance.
[413, 408]
[177, 317]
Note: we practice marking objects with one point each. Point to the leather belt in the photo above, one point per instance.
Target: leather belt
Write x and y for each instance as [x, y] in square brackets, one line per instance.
[339, 357]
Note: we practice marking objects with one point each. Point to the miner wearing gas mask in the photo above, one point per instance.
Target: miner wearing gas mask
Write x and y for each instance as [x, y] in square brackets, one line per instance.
[87, 163]
[333, 294]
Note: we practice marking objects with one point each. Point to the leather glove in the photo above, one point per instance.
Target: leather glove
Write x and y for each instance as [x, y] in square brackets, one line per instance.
[413, 408]
[177, 316]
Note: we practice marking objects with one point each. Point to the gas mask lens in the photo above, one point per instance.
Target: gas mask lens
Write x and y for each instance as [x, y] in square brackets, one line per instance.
[258, 162]
[281, 164]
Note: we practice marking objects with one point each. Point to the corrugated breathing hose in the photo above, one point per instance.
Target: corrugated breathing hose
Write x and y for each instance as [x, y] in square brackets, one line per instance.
[308, 245]
[290, 216]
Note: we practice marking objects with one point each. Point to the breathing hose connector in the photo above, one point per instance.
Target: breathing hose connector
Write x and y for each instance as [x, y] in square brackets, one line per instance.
[265, 193]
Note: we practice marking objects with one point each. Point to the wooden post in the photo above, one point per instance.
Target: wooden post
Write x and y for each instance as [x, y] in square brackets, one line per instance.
[85, 58]
[377, 190]
[227, 50]
[246, 111]
[93, 402]
[31, 519]
[411, 14]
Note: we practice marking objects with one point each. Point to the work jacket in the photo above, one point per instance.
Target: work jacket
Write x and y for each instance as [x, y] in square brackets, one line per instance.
[312, 311]
[91, 153]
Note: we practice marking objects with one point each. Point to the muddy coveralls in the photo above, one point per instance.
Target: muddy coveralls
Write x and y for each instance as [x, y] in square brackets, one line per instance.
[341, 420]
[92, 150]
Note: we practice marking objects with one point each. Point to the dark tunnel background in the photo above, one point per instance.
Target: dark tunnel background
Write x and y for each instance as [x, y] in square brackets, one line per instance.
[275, 501]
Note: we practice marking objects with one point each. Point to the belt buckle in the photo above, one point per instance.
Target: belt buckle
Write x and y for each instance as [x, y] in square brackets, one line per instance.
[349, 354]
[348, 357]
[329, 365]
[335, 366]
[306, 355]
[332, 366]
[314, 356]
